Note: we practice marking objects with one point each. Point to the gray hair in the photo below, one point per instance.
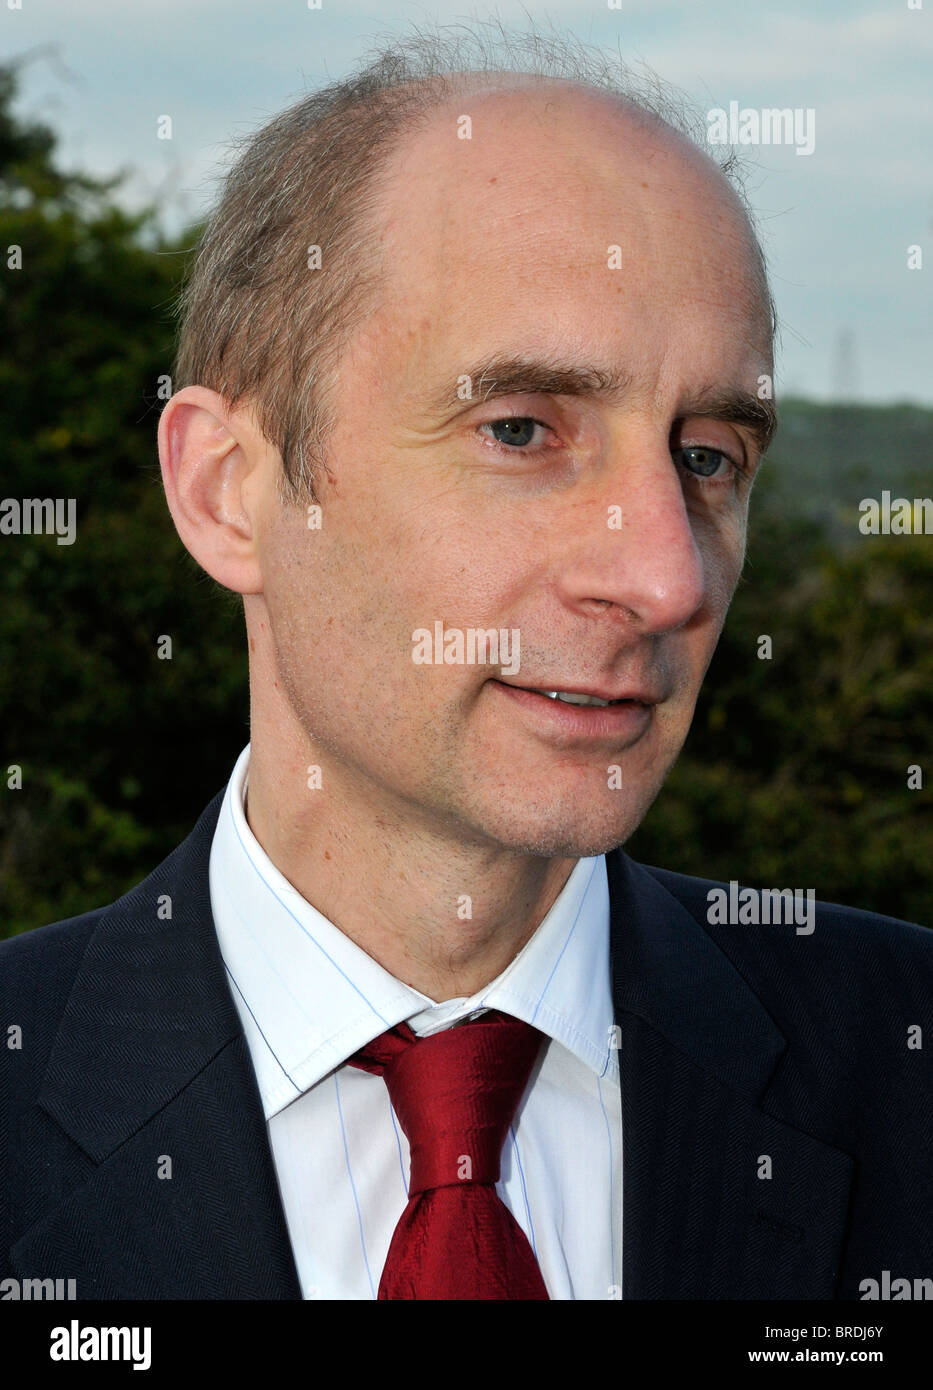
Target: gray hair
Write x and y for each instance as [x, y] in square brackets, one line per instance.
[255, 326]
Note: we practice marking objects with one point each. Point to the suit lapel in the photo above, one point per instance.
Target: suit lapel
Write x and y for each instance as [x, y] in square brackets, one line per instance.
[697, 1055]
[150, 1076]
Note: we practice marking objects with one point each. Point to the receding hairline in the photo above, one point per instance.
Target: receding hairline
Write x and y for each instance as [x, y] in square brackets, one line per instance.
[449, 88]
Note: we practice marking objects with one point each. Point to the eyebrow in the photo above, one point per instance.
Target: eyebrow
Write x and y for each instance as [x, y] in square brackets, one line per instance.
[508, 376]
[737, 407]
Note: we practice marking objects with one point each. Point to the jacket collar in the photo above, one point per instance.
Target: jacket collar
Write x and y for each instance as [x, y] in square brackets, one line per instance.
[722, 1197]
[150, 1075]
[151, 985]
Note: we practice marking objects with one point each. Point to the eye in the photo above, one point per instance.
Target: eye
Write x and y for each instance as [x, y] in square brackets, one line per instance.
[704, 462]
[515, 431]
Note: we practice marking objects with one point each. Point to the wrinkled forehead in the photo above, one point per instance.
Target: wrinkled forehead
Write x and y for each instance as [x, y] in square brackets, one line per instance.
[533, 193]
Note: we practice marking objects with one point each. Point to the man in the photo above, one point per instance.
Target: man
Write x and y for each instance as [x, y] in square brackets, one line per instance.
[473, 386]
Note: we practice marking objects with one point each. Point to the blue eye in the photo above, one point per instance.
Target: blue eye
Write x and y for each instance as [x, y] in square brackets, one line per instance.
[702, 461]
[515, 430]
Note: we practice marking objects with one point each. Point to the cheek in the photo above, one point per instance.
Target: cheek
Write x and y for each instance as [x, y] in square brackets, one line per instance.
[721, 543]
[348, 601]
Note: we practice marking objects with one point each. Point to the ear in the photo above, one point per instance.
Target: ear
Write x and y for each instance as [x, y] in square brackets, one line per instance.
[217, 471]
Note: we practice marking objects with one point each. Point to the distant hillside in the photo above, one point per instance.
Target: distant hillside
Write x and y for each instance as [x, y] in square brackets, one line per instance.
[827, 458]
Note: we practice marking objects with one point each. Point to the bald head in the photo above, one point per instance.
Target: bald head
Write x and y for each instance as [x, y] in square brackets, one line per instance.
[300, 247]
[542, 176]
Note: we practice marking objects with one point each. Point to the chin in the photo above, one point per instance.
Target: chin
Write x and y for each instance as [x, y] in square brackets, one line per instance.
[566, 832]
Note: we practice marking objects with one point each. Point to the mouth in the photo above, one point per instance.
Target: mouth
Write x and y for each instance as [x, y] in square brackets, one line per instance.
[599, 698]
[620, 716]
[576, 697]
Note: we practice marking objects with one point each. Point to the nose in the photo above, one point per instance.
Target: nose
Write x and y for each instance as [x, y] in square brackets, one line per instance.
[633, 544]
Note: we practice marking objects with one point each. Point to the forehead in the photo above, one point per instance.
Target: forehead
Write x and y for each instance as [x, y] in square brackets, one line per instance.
[550, 218]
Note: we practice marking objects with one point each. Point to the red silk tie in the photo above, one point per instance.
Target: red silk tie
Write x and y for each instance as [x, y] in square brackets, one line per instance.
[455, 1094]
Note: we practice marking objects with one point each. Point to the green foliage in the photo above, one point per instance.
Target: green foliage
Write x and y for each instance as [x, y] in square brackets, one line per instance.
[795, 773]
[119, 750]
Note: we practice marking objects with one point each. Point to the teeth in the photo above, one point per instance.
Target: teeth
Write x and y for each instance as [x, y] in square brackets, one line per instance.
[570, 698]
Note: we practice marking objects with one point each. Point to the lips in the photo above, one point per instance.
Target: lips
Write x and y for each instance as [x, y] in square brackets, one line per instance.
[578, 695]
[588, 718]
[573, 697]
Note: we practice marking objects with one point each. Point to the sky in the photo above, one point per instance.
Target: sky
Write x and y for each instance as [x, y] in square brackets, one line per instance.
[837, 224]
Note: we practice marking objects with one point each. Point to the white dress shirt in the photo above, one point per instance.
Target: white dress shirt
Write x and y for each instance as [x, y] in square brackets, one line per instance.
[309, 997]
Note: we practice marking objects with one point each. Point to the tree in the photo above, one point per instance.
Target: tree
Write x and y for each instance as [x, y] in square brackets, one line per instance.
[110, 739]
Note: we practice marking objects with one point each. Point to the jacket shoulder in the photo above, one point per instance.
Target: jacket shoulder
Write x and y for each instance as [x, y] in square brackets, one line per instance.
[46, 957]
[23, 950]
[37, 972]
[832, 920]
[39, 968]
[850, 990]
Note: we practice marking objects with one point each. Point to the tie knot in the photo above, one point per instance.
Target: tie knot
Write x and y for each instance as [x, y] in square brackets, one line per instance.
[455, 1094]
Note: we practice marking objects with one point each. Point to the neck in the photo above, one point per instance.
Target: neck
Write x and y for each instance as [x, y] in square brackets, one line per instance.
[442, 912]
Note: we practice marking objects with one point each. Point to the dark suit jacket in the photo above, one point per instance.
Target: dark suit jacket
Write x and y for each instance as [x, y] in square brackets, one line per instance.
[737, 1043]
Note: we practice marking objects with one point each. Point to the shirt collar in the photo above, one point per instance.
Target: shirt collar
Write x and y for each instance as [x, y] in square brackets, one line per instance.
[309, 997]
